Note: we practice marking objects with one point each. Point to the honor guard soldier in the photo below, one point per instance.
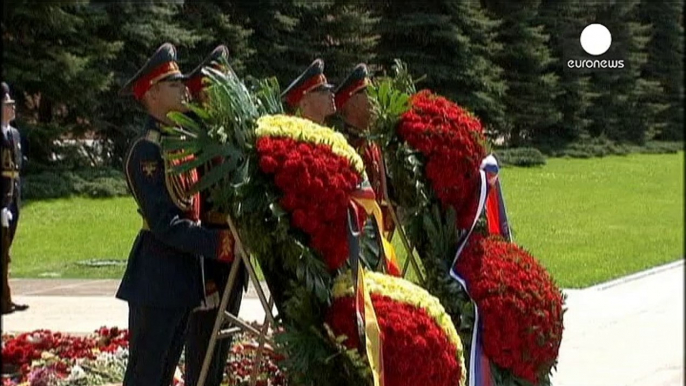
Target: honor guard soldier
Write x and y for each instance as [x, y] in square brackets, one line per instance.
[310, 94]
[196, 80]
[216, 273]
[11, 194]
[163, 281]
[354, 109]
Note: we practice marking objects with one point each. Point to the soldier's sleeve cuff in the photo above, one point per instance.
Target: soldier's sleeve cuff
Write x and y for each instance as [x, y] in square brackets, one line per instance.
[225, 246]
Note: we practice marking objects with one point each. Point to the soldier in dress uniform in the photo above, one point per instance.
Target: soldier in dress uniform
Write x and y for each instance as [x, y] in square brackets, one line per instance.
[216, 273]
[11, 194]
[354, 113]
[310, 94]
[163, 281]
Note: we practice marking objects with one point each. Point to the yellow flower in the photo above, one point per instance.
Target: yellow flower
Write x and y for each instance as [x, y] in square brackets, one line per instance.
[404, 291]
[301, 129]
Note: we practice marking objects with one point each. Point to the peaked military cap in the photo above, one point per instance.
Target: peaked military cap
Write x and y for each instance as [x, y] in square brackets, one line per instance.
[160, 67]
[6, 96]
[217, 59]
[312, 79]
[358, 80]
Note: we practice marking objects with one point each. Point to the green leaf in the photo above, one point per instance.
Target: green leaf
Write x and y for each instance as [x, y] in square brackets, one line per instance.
[187, 166]
[216, 174]
[185, 122]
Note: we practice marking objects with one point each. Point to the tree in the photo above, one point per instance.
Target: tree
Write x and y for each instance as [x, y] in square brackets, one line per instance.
[526, 59]
[274, 32]
[214, 23]
[564, 20]
[628, 106]
[450, 43]
[666, 61]
[486, 87]
[347, 36]
[58, 67]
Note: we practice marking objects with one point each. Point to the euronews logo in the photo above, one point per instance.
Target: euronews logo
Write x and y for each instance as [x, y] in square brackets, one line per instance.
[595, 40]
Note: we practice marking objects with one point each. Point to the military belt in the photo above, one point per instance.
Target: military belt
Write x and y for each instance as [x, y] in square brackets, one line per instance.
[214, 218]
[10, 174]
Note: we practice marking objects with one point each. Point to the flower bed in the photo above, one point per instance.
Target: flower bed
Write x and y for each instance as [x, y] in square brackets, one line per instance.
[45, 358]
[49, 358]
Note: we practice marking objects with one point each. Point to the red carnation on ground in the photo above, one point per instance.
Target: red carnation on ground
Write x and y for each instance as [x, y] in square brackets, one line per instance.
[19, 351]
[451, 140]
[521, 308]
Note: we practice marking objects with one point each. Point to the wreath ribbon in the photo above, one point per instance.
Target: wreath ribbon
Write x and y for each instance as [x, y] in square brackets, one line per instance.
[491, 199]
[366, 198]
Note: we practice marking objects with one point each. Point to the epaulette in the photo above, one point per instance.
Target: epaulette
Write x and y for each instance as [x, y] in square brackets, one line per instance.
[153, 136]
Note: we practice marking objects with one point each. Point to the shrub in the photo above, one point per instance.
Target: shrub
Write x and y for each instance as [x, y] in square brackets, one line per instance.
[89, 182]
[522, 156]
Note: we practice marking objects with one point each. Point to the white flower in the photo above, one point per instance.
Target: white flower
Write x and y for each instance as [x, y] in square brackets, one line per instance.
[76, 373]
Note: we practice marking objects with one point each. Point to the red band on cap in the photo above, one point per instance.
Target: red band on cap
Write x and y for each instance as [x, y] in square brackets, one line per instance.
[295, 95]
[344, 95]
[142, 85]
[194, 85]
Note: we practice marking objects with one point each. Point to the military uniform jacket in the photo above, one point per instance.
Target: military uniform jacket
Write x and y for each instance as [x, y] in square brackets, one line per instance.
[164, 267]
[11, 164]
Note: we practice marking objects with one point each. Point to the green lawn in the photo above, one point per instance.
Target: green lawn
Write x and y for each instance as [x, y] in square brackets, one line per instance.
[592, 220]
[53, 236]
[587, 220]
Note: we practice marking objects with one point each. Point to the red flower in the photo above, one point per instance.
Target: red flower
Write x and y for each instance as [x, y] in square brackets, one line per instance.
[24, 348]
[520, 306]
[316, 185]
[416, 351]
[452, 141]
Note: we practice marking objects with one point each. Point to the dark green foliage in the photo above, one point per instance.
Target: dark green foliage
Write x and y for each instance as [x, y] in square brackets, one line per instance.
[521, 156]
[526, 59]
[452, 43]
[57, 65]
[215, 24]
[343, 33]
[666, 62]
[564, 20]
[628, 106]
[95, 183]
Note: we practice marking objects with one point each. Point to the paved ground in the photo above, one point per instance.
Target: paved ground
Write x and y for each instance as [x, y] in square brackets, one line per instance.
[628, 332]
[625, 333]
[82, 306]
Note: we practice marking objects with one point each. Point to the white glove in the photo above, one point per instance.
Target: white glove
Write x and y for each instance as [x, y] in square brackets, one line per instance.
[212, 299]
[211, 302]
[6, 217]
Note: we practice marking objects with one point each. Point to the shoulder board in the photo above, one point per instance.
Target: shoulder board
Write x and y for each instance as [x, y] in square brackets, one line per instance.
[153, 136]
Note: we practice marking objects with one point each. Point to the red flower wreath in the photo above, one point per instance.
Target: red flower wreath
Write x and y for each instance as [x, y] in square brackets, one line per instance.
[520, 306]
[316, 186]
[451, 140]
[416, 351]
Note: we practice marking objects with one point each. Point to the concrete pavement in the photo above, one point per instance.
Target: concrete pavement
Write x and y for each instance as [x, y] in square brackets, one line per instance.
[82, 306]
[627, 332]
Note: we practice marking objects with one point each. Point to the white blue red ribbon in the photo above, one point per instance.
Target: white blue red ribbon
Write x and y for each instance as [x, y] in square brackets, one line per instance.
[496, 214]
[489, 192]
